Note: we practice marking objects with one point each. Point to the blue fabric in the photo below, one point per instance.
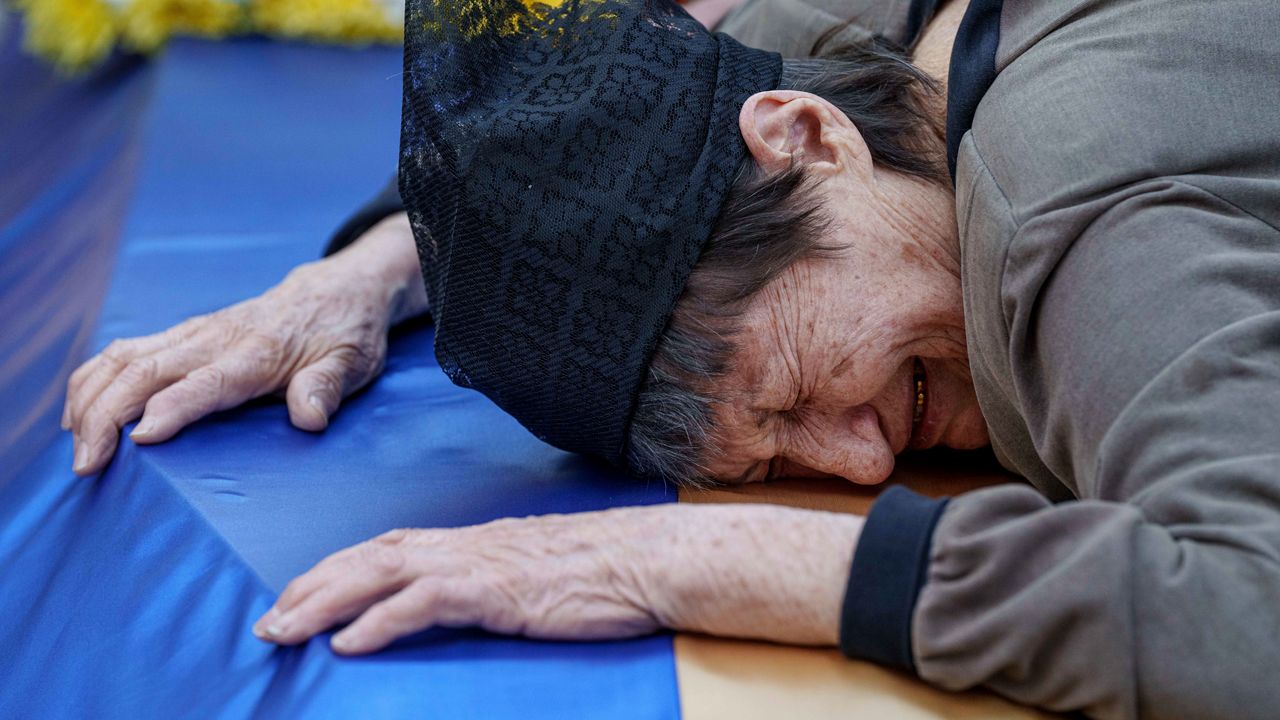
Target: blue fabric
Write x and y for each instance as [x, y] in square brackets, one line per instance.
[67, 152]
[889, 569]
[132, 594]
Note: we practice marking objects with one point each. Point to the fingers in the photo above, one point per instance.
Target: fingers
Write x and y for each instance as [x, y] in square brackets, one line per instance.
[235, 354]
[335, 590]
[222, 384]
[540, 576]
[120, 401]
[317, 390]
[331, 604]
[88, 381]
[423, 604]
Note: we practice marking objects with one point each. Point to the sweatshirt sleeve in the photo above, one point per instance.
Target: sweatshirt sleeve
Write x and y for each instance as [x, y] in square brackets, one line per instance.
[1161, 607]
[1149, 372]
[384, 204]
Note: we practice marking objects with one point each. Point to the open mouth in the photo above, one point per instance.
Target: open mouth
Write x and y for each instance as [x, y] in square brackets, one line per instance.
[921, 385]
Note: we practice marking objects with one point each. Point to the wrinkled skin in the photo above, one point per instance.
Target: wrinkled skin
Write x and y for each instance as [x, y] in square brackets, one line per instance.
[822, 380]
[318, 336]
[741, 571]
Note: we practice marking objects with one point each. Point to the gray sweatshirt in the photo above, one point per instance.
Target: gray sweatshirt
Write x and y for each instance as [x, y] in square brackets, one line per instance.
[1117, 172]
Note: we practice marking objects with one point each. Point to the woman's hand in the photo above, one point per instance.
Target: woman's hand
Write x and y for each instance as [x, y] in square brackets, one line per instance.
[755, 571]
[318, 336]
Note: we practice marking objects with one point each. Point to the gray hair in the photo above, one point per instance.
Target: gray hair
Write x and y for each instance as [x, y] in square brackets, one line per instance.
[768, 223]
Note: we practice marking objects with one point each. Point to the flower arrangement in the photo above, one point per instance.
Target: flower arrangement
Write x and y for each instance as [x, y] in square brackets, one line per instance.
[76, 34]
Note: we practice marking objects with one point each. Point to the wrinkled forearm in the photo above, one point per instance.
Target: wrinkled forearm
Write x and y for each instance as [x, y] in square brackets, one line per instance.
[750, 571]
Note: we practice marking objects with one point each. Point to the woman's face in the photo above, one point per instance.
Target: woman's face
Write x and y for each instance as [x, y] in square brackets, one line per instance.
[845, 362]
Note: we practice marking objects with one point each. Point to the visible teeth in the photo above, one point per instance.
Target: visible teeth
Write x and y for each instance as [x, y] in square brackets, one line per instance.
[918, 414]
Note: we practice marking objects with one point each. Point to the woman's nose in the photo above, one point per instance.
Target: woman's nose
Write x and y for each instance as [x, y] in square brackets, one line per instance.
[851, 445]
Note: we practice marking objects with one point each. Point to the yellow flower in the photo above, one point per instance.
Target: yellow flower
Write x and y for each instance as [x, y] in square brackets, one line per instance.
[72, 34]
[541, 6]
[76, 34]
[474, 19]
[329, 20]
[147, 24]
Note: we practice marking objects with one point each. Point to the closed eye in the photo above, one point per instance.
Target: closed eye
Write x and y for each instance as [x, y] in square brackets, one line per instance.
[794, 401]
[756, 472]
[775, 468]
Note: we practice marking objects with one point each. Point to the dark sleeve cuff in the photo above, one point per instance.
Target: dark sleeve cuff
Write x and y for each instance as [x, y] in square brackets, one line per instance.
[889, 568]
[386, 203]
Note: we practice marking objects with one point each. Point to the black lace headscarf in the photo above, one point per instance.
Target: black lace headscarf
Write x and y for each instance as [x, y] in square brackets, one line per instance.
[563, 163]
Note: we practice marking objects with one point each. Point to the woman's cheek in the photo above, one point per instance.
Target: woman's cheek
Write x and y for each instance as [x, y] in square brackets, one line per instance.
[969, 430]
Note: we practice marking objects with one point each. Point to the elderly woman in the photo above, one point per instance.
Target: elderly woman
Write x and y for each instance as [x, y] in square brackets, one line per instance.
[1054, 230]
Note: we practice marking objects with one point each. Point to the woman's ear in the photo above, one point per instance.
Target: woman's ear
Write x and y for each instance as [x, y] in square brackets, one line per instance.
[785, 127]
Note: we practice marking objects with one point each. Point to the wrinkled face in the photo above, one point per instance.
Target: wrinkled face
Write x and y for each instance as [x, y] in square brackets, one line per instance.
[846, 362]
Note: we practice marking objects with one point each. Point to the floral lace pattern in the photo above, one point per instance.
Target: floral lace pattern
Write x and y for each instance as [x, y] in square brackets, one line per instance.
[562, 165]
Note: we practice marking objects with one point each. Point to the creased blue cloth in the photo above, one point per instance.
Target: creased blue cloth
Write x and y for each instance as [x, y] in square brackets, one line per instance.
[132, 594]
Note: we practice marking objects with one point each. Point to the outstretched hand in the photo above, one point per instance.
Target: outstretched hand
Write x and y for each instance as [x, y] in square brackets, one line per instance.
[755, 571]
[318, 336]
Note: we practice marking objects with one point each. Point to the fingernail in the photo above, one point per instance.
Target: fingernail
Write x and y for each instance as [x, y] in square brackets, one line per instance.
[260, 627]
[342, 642]
[82, 458]
[316, 403]
[268, 630]
[146, 427]
[276, 622]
